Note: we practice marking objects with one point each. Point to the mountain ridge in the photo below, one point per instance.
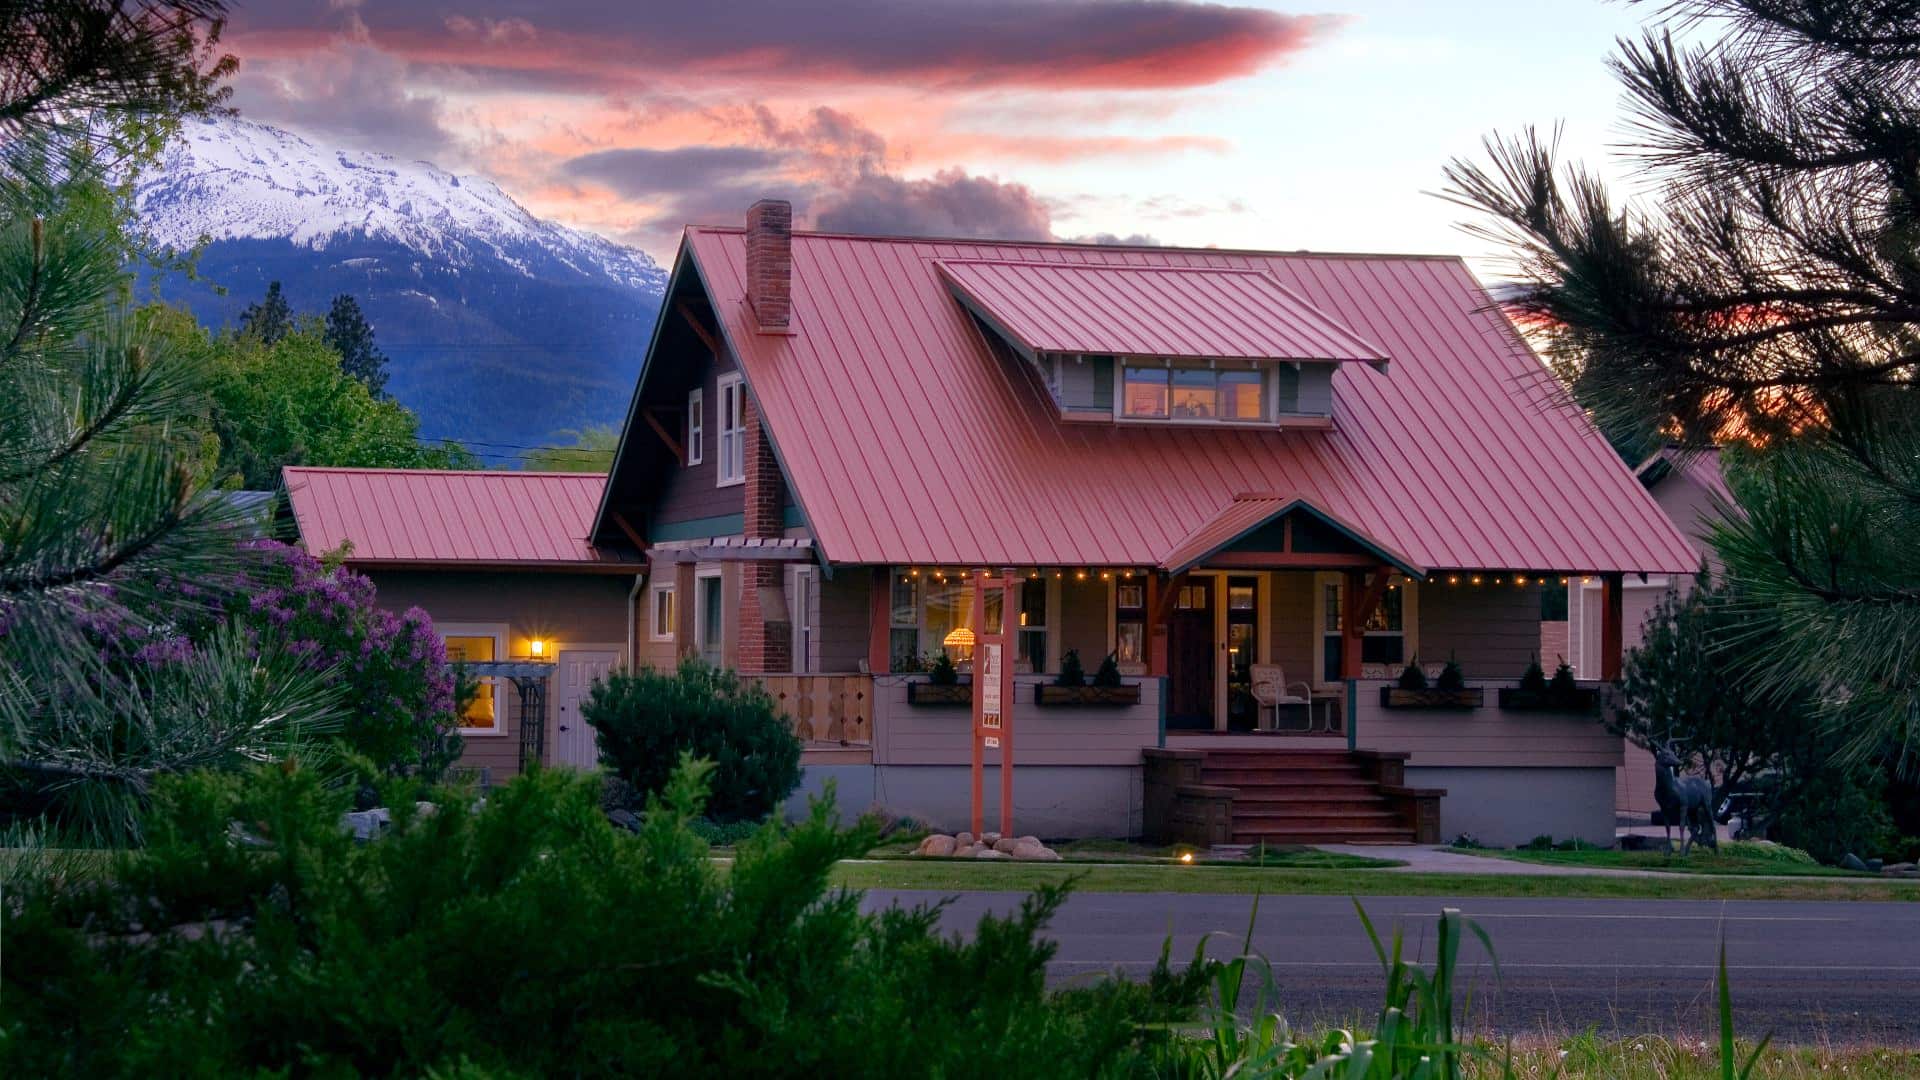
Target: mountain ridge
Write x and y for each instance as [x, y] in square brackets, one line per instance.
[501, 328]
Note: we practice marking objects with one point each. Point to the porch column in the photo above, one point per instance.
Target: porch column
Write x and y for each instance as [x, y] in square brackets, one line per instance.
[1352, 621]
[880, 621]
[1160, 598]
[1612, 617]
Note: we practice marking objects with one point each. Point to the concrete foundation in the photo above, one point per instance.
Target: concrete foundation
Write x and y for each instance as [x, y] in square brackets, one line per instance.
[1506, 807]
[1054, 802]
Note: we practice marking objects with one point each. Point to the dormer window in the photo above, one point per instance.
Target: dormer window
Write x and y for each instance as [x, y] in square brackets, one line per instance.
[1163, 392]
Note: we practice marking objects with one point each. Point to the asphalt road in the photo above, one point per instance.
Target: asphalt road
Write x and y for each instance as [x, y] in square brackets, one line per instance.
[1845, 972]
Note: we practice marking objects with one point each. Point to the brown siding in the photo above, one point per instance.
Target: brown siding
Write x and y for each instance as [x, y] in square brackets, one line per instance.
[688, 492]
[845, 617]
[905, 734]
[565, 609]
[1492, 630]
[1487, 736]
[1082, 623]
[1295, 645]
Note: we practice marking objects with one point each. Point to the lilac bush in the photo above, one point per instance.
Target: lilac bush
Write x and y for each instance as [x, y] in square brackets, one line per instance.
[393, 668]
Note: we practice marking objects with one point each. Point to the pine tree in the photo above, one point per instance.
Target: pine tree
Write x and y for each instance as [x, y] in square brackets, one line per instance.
[269, 320]
[107, 535]
[1764, 290]
[352, 337]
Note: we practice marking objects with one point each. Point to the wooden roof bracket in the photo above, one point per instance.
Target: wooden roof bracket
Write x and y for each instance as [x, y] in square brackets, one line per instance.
[673, 444]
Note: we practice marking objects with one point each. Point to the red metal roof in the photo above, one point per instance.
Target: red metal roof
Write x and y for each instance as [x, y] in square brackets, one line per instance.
[418, 516]
[1249, 512]
[906, 440]
[1147, 310]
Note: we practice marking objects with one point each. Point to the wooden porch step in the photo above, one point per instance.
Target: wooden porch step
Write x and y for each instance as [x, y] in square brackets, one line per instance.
[1287, 781]
[1261, 820]
[1277, 759]
[1253, 800]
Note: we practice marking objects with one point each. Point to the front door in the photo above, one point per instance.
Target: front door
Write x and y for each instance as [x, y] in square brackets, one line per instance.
[576, 744]
[1190, 657]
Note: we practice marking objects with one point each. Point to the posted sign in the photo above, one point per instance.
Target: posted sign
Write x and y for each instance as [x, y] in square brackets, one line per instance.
[993, 692]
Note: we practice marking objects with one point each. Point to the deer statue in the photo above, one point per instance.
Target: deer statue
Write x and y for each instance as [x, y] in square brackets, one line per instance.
[1684, 800]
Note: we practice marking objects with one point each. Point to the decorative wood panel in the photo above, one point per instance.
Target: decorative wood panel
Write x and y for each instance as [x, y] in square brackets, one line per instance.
[836, 709]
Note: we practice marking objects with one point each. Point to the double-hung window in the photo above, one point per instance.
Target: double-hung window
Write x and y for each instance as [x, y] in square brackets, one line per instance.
[478, 643]
[733, 431]
[663, 627]
[696, 426]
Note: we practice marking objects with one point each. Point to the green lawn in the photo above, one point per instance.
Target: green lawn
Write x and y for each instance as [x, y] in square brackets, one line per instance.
[1734, 858]
[964, 875]
[1130, 852]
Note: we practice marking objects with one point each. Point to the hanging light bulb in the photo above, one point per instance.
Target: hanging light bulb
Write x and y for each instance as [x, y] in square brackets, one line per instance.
[1476, 579]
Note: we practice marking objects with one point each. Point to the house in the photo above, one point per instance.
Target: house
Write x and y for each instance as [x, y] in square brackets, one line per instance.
[501, 563]
[1690, 487]
[1199, 461]
[1209, 464]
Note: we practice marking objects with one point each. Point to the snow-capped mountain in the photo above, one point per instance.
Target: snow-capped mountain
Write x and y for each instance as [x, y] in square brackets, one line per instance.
[502, 327]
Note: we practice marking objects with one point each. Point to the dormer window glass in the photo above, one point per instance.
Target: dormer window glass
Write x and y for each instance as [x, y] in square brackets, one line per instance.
[1194, 394]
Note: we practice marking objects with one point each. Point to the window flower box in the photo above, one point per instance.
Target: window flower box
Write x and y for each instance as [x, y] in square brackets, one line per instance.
[922, 692]
[1393, 697]
[1583, 700]
[1103, 696]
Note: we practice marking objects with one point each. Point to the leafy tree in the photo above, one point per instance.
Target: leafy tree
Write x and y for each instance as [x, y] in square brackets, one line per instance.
[270, 319]
[289, 403]
[1766, 290]
[592, 450]
[526, 937]
[1680, 688]
[648, 719]
[349, 334]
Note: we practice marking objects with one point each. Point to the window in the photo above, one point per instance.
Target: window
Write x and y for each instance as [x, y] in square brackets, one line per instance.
[733, 431]
[486, 713]
[663, 625]
[801, 599]
[930, 615]
[1130, 623]
[1194, 394]
[696, 426]
[1384, 639]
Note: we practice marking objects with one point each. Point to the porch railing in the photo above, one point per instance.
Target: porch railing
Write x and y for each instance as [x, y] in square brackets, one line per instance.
[825, 709]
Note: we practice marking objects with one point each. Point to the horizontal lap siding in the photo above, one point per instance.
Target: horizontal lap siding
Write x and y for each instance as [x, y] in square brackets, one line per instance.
[845, 618]
[1295, 631]
[1082, 623]
[689, 492]
[565, 609]
[914, 735]
[1486, 736]
[1492, 630]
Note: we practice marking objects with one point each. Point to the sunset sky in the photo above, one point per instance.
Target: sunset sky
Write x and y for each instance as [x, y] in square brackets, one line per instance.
[1252, 125]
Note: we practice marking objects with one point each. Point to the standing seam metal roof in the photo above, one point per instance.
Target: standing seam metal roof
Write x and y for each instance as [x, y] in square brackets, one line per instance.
[907, 440]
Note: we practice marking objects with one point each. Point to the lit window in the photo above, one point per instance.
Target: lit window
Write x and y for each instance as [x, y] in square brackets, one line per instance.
[663, 613]
[930, 616]
[1146, 392]
[481, 714]
[1194, 394]
[1130, 624]
[733, 431]
[696, 427]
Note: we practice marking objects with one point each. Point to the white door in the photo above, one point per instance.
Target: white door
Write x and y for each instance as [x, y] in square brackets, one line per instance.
[574, 743]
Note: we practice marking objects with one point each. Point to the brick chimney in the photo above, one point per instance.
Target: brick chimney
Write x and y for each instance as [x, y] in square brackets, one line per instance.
[770, 263]
[766, 626]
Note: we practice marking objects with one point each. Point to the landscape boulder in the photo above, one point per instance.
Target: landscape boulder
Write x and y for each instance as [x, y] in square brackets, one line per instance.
[938, 846]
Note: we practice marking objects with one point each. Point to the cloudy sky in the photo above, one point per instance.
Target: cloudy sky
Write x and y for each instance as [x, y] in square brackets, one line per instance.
[1254, 124]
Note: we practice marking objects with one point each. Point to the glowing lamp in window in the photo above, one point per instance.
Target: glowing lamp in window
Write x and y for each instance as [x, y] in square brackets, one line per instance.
[960, 640]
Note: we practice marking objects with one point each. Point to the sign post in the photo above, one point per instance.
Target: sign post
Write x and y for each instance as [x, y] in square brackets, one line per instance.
[993, 654]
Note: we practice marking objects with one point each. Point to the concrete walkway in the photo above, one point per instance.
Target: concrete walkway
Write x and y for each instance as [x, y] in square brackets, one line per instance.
[1440, 859]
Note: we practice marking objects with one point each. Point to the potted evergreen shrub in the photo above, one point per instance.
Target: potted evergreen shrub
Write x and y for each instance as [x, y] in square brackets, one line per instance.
[1536, 694]
[1449, 691]
[942, 686]
[1071, 687]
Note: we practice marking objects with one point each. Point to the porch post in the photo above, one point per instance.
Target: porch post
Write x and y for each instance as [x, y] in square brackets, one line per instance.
[1157, 637]
[1351, 622]
[880, 622]
[1612, 616]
